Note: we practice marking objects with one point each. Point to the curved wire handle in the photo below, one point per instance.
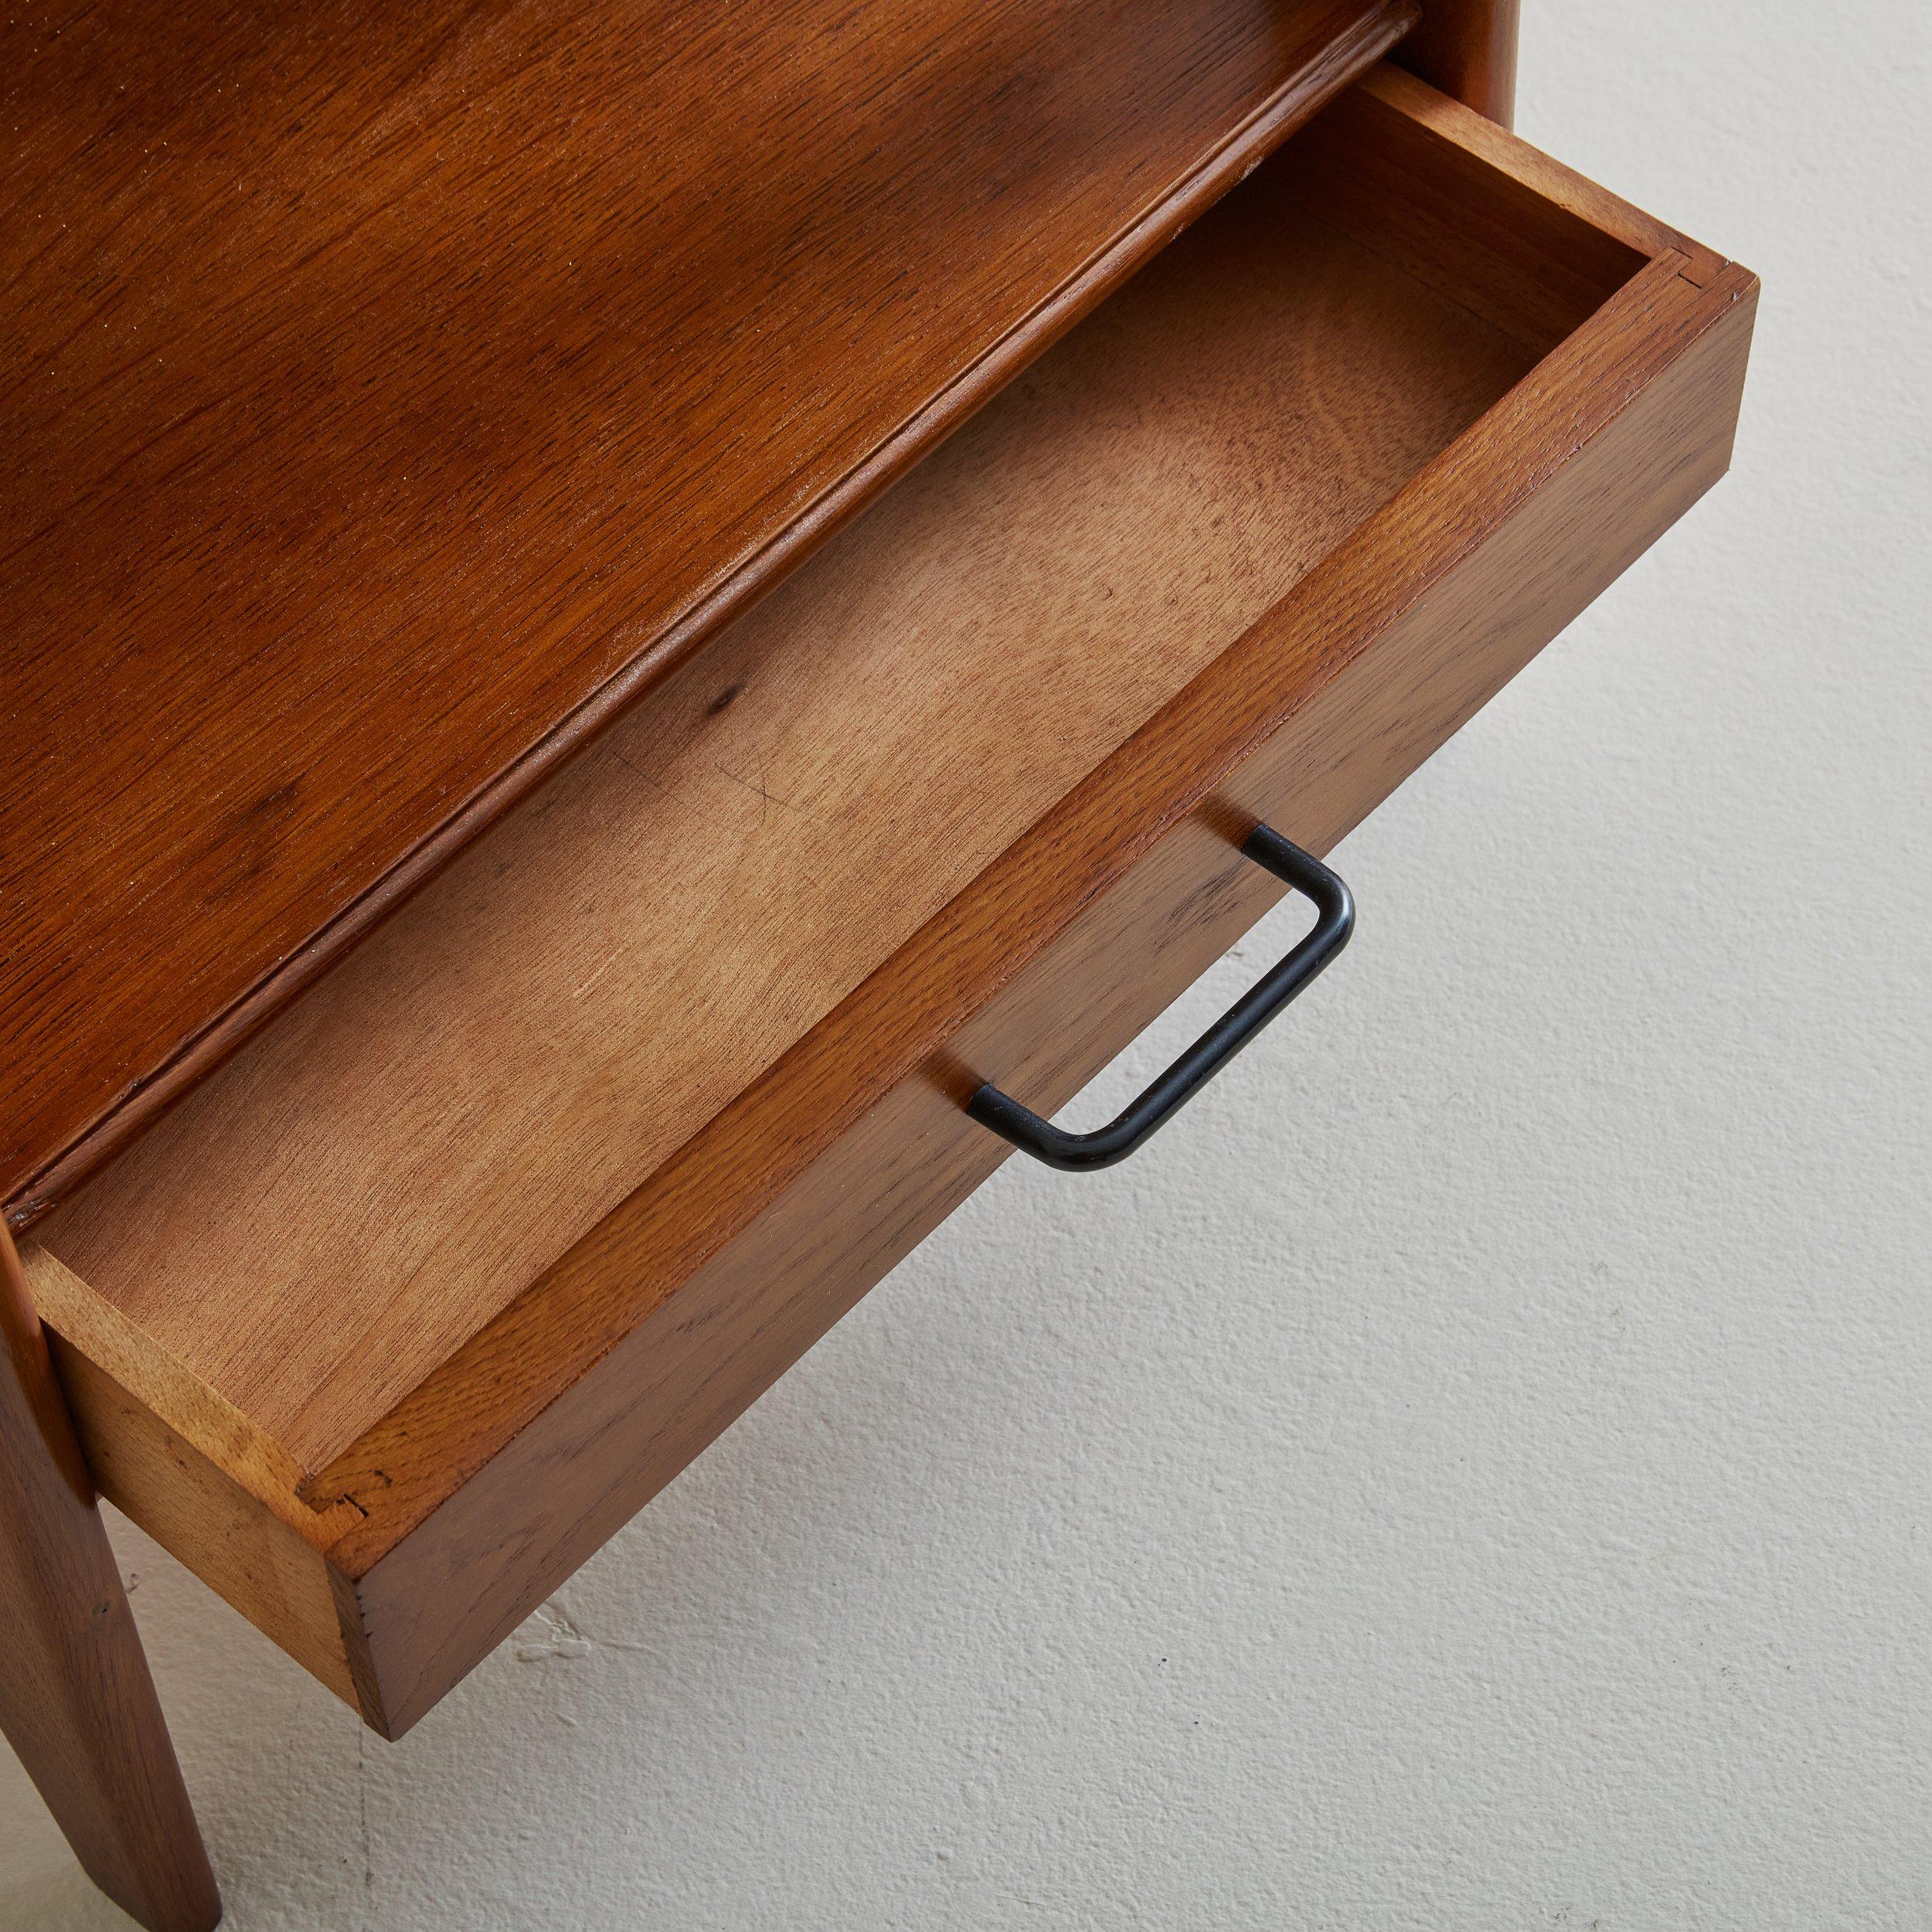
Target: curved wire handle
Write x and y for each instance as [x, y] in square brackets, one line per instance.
[1081, 1153]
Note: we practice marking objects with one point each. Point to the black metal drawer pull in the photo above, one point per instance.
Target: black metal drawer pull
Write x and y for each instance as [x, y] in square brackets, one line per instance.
[1078, 1153]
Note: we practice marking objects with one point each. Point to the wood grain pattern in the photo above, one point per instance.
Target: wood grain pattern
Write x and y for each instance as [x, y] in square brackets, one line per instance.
[604, 973]
[252, 1556]
[1340, 615]
[1467, 49]
[392, 394]
[438, 1587]
[1388, 598]
[1490, 215]
[76, 1700]
[90, 1325]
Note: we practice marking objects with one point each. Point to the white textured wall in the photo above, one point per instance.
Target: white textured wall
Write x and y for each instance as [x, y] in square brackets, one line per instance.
[1472, 1472]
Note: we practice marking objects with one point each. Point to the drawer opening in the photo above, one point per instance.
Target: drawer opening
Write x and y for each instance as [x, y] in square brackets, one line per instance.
[321, 1224]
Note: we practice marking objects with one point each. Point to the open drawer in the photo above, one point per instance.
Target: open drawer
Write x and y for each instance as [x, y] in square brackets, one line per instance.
[406, 1309]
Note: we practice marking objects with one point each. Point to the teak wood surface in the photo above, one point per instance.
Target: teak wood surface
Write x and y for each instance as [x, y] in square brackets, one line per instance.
[391, 394]
[1467, 49]
[493, 1074]
[76, 1703]
[668, 1070]
[1471, 389]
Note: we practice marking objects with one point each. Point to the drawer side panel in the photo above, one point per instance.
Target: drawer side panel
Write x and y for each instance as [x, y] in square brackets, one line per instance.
[194, 1509]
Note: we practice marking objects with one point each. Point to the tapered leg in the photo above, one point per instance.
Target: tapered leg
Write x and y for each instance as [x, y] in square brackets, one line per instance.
[76, 1700]
[1467, 48]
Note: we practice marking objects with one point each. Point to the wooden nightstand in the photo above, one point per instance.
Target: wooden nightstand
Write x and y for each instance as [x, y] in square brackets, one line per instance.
[522, 903]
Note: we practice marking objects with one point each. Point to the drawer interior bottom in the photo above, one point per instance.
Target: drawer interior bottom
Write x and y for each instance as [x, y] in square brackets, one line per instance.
[360, 1188]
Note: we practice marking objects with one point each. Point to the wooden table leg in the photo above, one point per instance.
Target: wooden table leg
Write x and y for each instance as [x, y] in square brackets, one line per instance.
[76, 1700]
[1467, 48]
